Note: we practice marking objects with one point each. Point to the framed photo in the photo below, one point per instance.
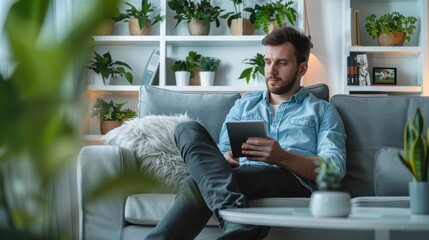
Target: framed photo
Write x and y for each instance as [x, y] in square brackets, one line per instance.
[384, 75]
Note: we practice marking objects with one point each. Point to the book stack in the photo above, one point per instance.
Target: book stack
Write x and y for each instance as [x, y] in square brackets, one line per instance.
[358, 70]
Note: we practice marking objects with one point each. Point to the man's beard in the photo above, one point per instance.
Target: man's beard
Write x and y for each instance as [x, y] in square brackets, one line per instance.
[283, 88]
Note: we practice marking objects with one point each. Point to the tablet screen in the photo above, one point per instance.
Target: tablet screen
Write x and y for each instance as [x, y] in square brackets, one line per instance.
[240, 131]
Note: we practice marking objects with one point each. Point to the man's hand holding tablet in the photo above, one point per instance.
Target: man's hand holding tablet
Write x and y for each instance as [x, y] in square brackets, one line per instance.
[240, 131]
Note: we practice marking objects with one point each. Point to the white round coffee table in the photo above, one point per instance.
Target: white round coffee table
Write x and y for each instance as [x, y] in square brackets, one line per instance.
[381, 220]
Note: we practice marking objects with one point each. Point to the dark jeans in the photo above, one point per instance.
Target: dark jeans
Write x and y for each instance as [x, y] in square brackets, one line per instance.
[214, 185]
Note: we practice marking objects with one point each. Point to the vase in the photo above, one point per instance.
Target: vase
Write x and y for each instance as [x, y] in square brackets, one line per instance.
[388, 39]
[182, 78]
[330, 204]
[241, 26]
[197, 27]
[97, 79]
[134, 28]
[419, 197]
[105, 28]
[273, 25]
[106, 126]
[207, 78]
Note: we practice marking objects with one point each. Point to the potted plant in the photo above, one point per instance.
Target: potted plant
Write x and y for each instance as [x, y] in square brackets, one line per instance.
[139, 21]
[328, 200]
[198, 15]
[208, 66]
[111, 114]
[105, 67]
[237, 22]
[272, 15]
[256, 71]
[416, 159]
[183, 69]
[107, 25]
[391, 29]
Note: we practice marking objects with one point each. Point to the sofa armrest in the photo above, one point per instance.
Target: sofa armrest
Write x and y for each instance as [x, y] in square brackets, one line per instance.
[101, 218]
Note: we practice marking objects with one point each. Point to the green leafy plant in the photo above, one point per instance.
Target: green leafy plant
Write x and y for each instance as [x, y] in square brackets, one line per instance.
[104, 65]
[393, 22]
[188, 10]
[111, 111]
[191, 61]
[210, 64]
[328, 179]
[257, 67]
[143, 15]
[416, 148]
[277, 11]
[240, 9]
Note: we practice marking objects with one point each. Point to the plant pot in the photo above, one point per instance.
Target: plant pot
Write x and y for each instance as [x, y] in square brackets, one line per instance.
[182, 78]
[419, 197]
[97, 79]
[207, 78]
[273, 25]
[388, 39]
[330, 204]
[106, 126]
[242, 26]
[197, 27]
[134, 28]
[105, 28]
[259, 80]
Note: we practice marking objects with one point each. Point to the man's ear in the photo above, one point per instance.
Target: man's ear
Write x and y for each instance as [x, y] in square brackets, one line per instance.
[302, 68]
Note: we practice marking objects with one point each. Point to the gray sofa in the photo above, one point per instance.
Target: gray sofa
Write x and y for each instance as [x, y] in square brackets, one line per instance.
[375, 177]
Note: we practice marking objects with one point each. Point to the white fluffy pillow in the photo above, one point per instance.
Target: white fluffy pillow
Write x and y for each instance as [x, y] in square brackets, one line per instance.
[152, 140]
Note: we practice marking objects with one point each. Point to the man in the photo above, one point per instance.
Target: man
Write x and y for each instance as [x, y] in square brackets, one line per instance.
[300, 128]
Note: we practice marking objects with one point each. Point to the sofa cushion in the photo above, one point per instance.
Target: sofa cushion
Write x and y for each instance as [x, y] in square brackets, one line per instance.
[148, 209]
[210, 109]
[391, 177]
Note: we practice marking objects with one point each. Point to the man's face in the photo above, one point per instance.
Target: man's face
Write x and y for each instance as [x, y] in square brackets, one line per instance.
[282, 72]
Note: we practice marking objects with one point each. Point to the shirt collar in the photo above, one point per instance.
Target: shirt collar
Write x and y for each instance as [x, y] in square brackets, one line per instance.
[297, 97]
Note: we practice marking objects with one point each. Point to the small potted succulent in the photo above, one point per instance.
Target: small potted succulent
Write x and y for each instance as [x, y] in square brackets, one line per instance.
[140, 21]
[208, 66]
[416, 159]
[238, 22]
[183, 69]
[198, 15]
[256, 70]
[272, 15]
[391, 29]
[105, 68]
[328, 200]
[111, 114]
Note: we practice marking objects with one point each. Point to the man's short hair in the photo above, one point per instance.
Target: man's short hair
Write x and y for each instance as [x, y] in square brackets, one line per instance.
[300, 41]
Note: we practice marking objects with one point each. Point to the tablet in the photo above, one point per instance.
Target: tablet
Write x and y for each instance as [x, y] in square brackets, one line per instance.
[240, 131]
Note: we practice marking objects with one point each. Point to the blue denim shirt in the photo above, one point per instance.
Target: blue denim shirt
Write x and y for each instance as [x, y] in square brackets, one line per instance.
[303, 125]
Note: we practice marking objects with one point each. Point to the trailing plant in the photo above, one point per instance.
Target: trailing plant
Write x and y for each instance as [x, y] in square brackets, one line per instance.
[143, 15]
[191, 61]
[104, 65]
[240, 9]
[257, 67]
[111, 111]
[328, 179]
[416, 148]
[277, 11]
[209, 64]
[393, 22]
[188, 10]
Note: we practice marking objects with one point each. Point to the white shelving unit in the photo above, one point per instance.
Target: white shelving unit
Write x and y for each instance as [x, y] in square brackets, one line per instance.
[411, 60]
[174, 43]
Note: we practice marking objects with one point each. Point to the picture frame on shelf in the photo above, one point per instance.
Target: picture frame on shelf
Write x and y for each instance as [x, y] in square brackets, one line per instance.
[384, 75]
[151, 69]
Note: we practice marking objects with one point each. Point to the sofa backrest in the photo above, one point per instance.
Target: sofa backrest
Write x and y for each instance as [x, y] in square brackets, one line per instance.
[208, 108]
[372, 123]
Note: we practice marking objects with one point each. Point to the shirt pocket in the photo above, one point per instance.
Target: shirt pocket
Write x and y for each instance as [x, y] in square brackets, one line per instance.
[301, 133]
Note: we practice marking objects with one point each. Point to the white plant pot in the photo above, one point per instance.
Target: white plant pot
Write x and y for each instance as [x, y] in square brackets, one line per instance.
[419, 197]
[97, 79]
[207, 78]
[330, 204]
[259, 80]
[182, 78]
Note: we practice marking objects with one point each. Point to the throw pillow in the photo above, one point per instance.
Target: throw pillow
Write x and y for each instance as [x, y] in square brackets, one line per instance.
[152, 140]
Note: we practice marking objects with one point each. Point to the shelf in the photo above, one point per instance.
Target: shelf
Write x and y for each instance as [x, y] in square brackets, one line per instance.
[92, 139]
[387, 50]
[127, 40]
[227, 40]
[136, 88]
[392, 89]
